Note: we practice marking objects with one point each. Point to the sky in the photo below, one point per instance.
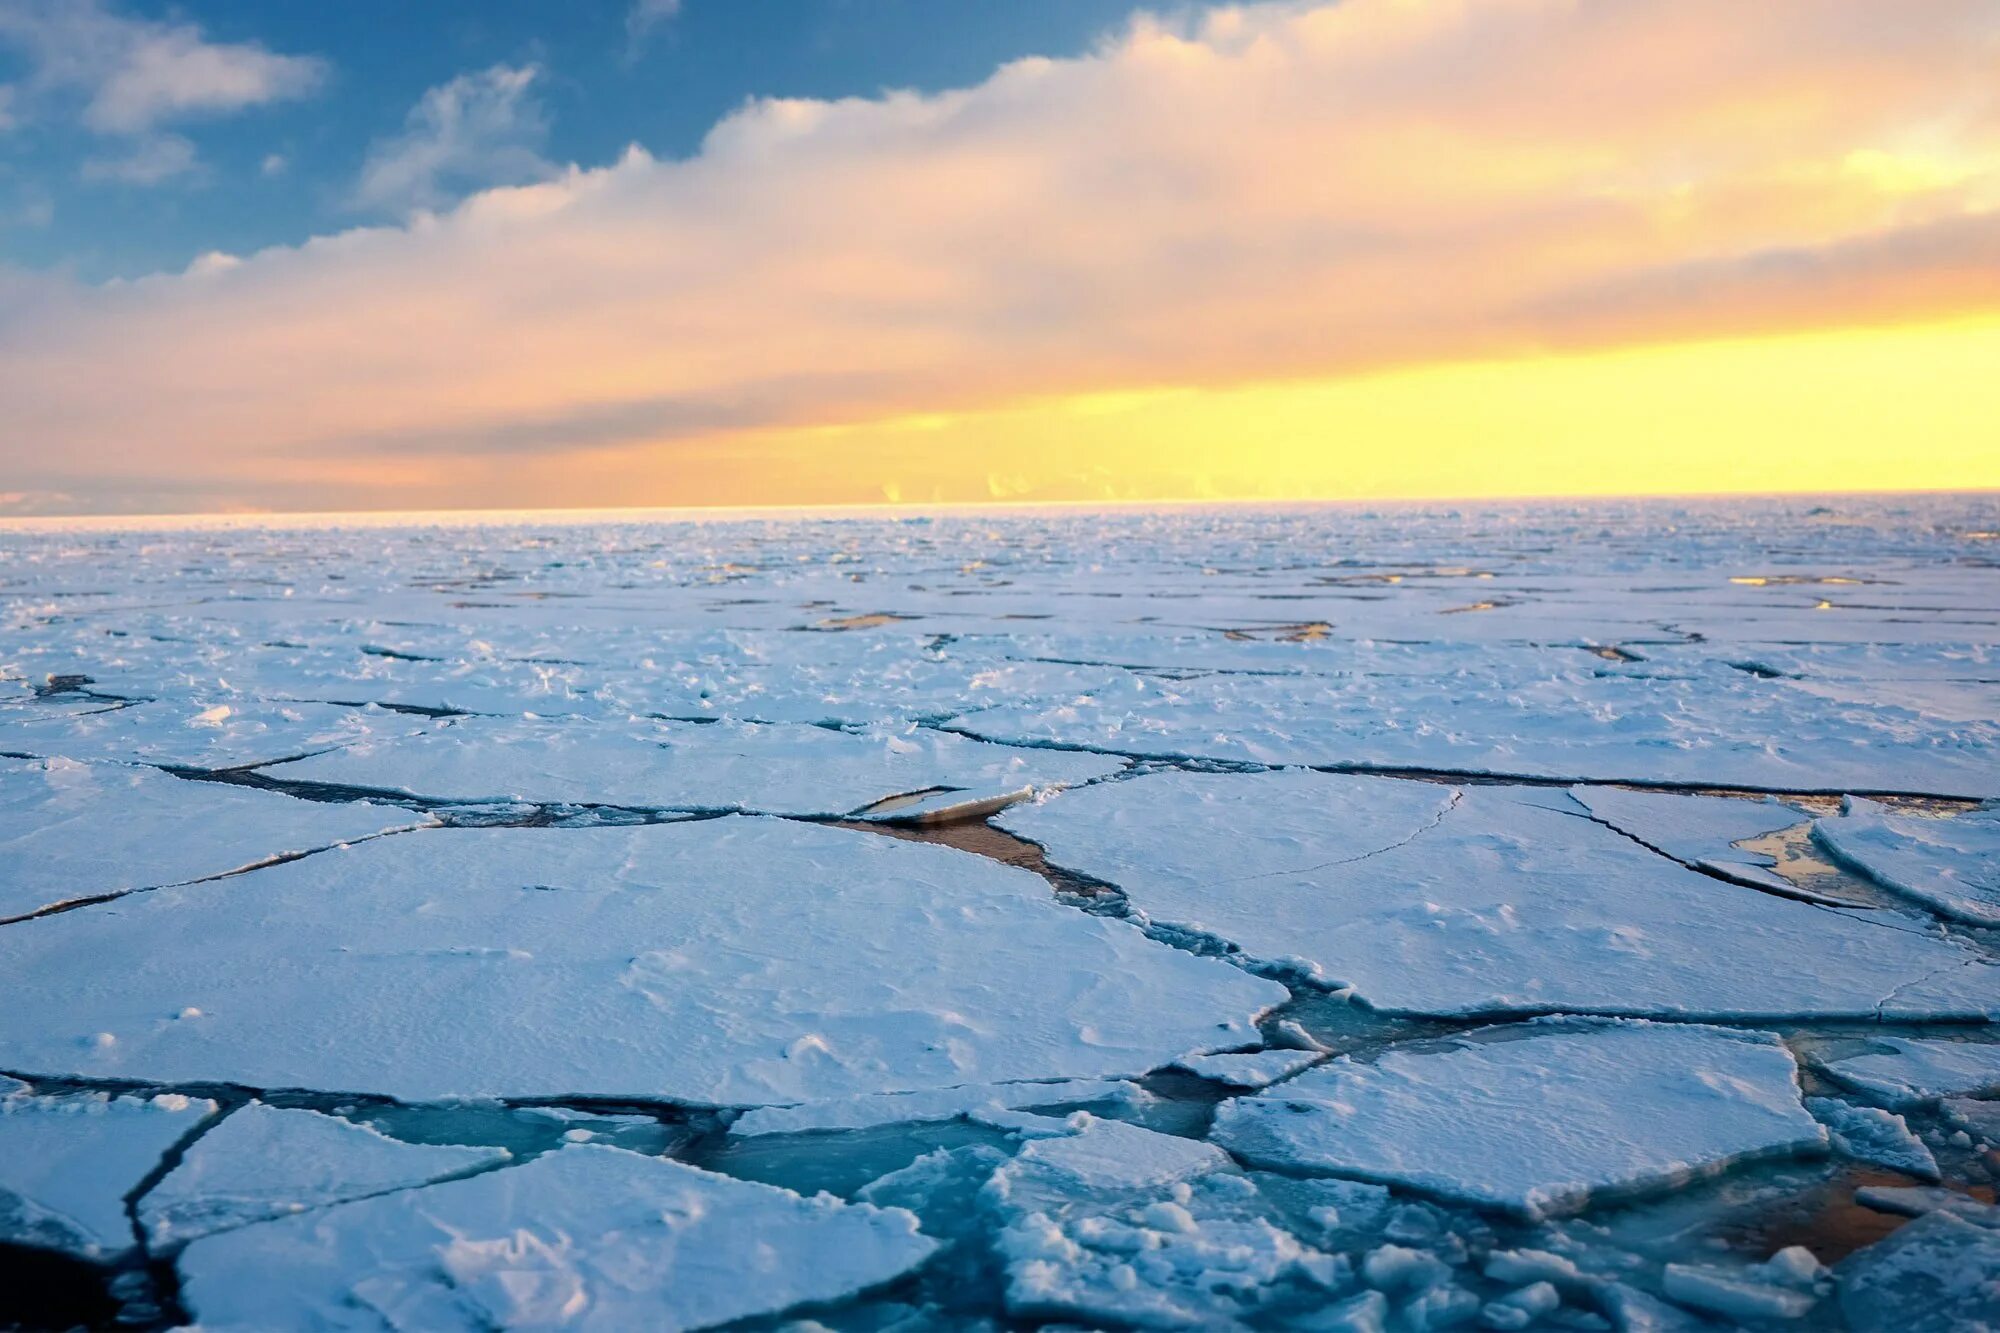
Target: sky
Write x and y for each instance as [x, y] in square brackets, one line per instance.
[508, 253]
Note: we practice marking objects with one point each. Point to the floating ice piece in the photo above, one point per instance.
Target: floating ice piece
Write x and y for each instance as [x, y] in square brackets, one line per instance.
[1939, 1274]
[1254, 1069]
[1733, 1295]
[1114, 1222]
[1521, 1307]
[871, 1109]
[68, 1163]
[585, 1238]
[767, 768]
[1951, 866]
[1914, 1072]
[73, 831]
[723, 962]
[1918, 1200]
[1698, 830]
[264, 1162]
[1870, 1134]
[1977, 1118]
[1539, 1124]
[1432, 900]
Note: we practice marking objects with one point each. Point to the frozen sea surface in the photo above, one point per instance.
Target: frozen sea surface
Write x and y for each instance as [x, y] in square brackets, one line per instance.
[1489, 916]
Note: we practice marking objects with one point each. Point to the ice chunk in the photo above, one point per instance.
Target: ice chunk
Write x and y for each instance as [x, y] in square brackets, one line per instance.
[589, 1237]
[1939, 1274]
[1914, 1072]
[1951, 866]
[1870, 1134]
[725, 962]
[71, 830]
[766, 768]
[1521, 1307]
[1539, 1124]
[1254, 1069]
[264, 1162]
[68, 1163]
[1917, 1200]
[872, 1109]
[1732, 1295]
[1432, 900]
[1979, 1119]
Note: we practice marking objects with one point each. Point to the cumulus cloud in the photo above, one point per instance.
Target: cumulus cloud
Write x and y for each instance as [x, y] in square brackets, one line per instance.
[479, 130]
[1260, 191]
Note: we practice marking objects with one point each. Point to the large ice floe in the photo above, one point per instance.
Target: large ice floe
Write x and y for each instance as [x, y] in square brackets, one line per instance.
[1908, 1071]
[1951, 866]
[586, 1238]
[723, 962]
[1537, 1122]
[1439, 900]
[68, 1163]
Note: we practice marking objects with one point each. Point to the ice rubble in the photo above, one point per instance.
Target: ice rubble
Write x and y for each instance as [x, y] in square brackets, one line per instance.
[589, 1237]
[264, 1161]
[1939, 1274]
[1951, 866]
[71, 830]
[68, 1163]
[1870, 1134]
[1433, 900]
[1914, 1072]
[737, 961]
[1536, 1122]
[735, 766]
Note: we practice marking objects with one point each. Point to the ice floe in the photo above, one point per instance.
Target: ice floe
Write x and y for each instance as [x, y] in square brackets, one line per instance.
[1914, 1072]
[728, 962]
[868, 1110]
[1951, 866]
[68, 1163]
[1939, 1274]
[1535, 1121]
[1428, 899]
[1870, 1134]
[586, 1238]
[263, 1162]
[1700, 831]
[1254, 1069]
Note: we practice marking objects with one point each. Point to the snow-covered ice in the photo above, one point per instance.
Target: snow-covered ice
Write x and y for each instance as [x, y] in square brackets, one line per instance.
[1911, 1071]
[1537, 1122]
[1939, 1274]
[1700, 831]
[1871, 1134]
[264, 1161]
[68, 1163]
[586, 1238]
[870, 1109]
[1951, 866]
[1254, 1069]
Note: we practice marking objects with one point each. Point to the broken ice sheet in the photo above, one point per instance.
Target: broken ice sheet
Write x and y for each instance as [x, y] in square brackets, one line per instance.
[1939, 1274]
[736, 961]
[232, 732]
[264, 1161]
[1537, 1120]
[71, 830]
[67, 1164]
[1698, 831]
[1913, 1072]
[1870, 1134]
[1950, 865]
[767, 768]
[1253, 1069]
[1435, 900]
[866, 1111]
[588, 1237]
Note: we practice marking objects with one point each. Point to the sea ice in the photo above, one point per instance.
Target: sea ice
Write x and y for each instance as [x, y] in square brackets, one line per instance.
[1537, 1122]
[71, 830]
[1254, 1069]
[263, 1162]
[587, 1238]
[871, 1109]
[68, 1163]
[1951, 866]
[1870, 1134]
[1939, 1274]
[1913, 1072]
[1436, 900]
[205, 733]
[735, 961]
[1697, 830]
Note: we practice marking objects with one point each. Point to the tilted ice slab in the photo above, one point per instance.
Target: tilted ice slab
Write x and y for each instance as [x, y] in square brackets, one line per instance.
[768, 769]
[1432, 900]
[1700, 831]
[1537, 1124]
[71, 830]
[1913, 1072]
[1951, 866]
[67, 1164]
[1714, 727]
[735, 961]
[232, 732]
[263, 1162]
[586, 1238]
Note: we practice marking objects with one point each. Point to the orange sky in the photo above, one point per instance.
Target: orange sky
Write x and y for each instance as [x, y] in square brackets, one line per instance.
[1379, 248]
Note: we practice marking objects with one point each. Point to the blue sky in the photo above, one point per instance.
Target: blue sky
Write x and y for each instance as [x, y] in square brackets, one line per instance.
[100, 195]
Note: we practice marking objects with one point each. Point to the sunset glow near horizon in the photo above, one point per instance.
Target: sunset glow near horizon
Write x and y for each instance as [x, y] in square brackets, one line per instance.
[1373, 249]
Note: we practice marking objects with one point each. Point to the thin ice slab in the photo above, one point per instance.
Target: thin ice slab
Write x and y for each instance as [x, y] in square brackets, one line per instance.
[68, 1163]
[1538, 1124]
[1913, 1072]
[775, 768]
[1429, 899]
[1951, 866]
[264, 1162]
[733, 961]
[71, 830]
[588, 1238]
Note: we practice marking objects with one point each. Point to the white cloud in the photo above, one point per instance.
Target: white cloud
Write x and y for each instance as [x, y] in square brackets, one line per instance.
[150, 160]
[479, 130]
[1261, 192]
[646, 15]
